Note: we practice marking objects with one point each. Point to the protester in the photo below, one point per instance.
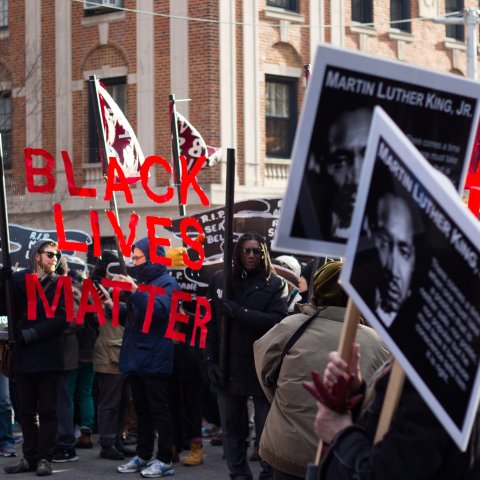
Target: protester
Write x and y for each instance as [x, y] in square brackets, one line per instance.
[147, 359]
[82, 378]
[113, 390]
[187, 384]
[416, 446]
[38, 360]
[306, 278]
[288, 267]
[65, 448]
[7, 439]
[7, 447]
[186, 404]
[257, 303]
[290, 420]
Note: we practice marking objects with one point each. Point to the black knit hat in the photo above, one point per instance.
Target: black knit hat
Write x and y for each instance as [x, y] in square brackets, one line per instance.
[100, 269]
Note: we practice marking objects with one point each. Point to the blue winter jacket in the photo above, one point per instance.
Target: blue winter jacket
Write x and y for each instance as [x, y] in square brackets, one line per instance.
[147, 353]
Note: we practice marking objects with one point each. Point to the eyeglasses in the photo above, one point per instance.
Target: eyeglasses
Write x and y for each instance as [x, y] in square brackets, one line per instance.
[248, 251]
[52, 254]
[135, 258]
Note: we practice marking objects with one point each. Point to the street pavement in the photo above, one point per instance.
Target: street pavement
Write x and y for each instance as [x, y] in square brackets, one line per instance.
[90, 466]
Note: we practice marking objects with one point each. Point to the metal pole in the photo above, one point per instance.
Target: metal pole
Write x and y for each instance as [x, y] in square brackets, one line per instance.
[471, 23]
[104, 155]
[175, 151]
[6, 260]
[470, 20]
[228, 256]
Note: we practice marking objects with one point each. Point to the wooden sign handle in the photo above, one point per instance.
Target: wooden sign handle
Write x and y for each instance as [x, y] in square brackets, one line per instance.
[345, 344]
[390, 402]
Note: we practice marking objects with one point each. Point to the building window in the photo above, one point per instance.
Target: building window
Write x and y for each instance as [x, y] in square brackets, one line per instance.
[117, 88]
[280, 115]
[98, 7]
[6, 128]
[3, 14]
[457, 32]
[291, 5]
[400, 10]
[362, 11]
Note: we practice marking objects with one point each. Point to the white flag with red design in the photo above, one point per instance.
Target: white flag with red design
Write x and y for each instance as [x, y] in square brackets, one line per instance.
[120, 139]
[192, 145]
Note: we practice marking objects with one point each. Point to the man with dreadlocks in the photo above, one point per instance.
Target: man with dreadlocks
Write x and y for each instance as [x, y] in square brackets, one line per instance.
[258, 301]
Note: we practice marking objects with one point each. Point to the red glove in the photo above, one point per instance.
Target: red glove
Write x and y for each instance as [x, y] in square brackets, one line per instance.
[337, 398]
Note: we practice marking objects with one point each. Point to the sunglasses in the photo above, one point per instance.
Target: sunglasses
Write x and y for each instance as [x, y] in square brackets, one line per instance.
[248, 251]
[52, 254]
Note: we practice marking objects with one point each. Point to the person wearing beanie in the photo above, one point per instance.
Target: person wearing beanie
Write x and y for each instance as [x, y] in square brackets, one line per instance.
[290, 269]
[147, 360]
[65, 448]
[288, 442]
[113, 390]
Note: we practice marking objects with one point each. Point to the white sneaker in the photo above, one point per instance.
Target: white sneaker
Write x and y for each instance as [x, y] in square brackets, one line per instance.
[158, 469]
[134, 465]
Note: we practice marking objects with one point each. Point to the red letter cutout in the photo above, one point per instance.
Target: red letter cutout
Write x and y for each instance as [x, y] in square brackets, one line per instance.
[196, 244]
[152, 290]
[155, 241]
[191, 178]
[117, 287]
[200, 321]
[126, 247]
[85, 306]
[177, 316]
[116, 183]
[94, 223]
[145, 171]
[33, 285]
[63, 243]
[72, 186]
[46, 171]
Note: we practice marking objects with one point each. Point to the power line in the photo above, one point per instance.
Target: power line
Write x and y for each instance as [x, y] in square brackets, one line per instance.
[245, 24]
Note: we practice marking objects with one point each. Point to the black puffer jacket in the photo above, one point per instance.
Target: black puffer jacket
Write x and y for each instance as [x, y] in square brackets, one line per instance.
[262, 303]
[416, 447]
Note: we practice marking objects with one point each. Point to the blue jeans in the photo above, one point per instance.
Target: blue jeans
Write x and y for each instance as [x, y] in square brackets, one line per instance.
[6, 437]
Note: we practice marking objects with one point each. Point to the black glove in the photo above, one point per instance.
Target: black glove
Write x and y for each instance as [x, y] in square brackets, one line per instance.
[215, 374]
[5, 273]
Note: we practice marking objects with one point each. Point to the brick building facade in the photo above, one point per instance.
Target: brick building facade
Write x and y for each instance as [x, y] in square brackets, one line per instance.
[239, 62]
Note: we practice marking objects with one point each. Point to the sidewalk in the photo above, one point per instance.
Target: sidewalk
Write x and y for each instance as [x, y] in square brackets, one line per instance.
[90, 466]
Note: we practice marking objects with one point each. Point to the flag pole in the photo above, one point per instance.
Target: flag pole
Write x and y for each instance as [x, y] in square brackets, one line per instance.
[175, 151]
[104, 161]
[228, 256]
[306, 72]
[6, 259]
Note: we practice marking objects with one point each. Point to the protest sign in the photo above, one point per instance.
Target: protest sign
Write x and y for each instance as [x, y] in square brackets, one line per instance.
[413, 269]
[23, 237]
[260, 215]
[438, 112]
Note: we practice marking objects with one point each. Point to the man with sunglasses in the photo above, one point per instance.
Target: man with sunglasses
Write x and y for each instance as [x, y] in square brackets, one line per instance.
[257, 302]
[38, 359]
